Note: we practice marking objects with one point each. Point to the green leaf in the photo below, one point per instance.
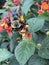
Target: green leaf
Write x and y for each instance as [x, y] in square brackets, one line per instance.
[36, 60]
[4, 54]
[26, 6]
[35, 24]
[4, 33]
[13, 61]
[46, 26]
[2, 10]
[15, 35]
[4, 64]
[24, 51]
[44, 50]
[4, 44]
[13, 41]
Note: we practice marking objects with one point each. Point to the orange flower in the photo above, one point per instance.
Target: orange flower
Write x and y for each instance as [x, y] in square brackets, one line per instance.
[5, 26]
[44, 6]
[48, 9]
[8, 28]
[1, 27]
[40, 12]
[23, 31]
[26, 26]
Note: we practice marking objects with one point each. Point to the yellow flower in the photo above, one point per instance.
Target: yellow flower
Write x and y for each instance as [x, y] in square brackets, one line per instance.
[2, 24]
[23, 31]
[21, 18]
[13, 26]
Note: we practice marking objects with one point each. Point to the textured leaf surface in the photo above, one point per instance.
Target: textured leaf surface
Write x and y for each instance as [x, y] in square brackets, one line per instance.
[35, 24]
[13, 41]
[4, 54]
[44, 50]
[24, 51]
[27, 4]
[36, 60]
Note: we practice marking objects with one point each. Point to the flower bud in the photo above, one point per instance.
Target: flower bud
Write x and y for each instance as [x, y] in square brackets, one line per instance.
[38, 45]
[47, 33]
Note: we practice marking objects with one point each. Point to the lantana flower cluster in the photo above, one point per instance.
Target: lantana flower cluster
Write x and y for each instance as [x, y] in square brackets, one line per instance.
[44, 6]
[14, 21]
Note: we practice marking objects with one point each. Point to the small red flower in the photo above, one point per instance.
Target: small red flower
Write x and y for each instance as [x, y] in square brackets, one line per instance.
[9, 30]
[1, 27]
[37, 4]
[17, 2]
[40, 12]
[9, 15]
[29, 35]
[4, 19]
[47, 0]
